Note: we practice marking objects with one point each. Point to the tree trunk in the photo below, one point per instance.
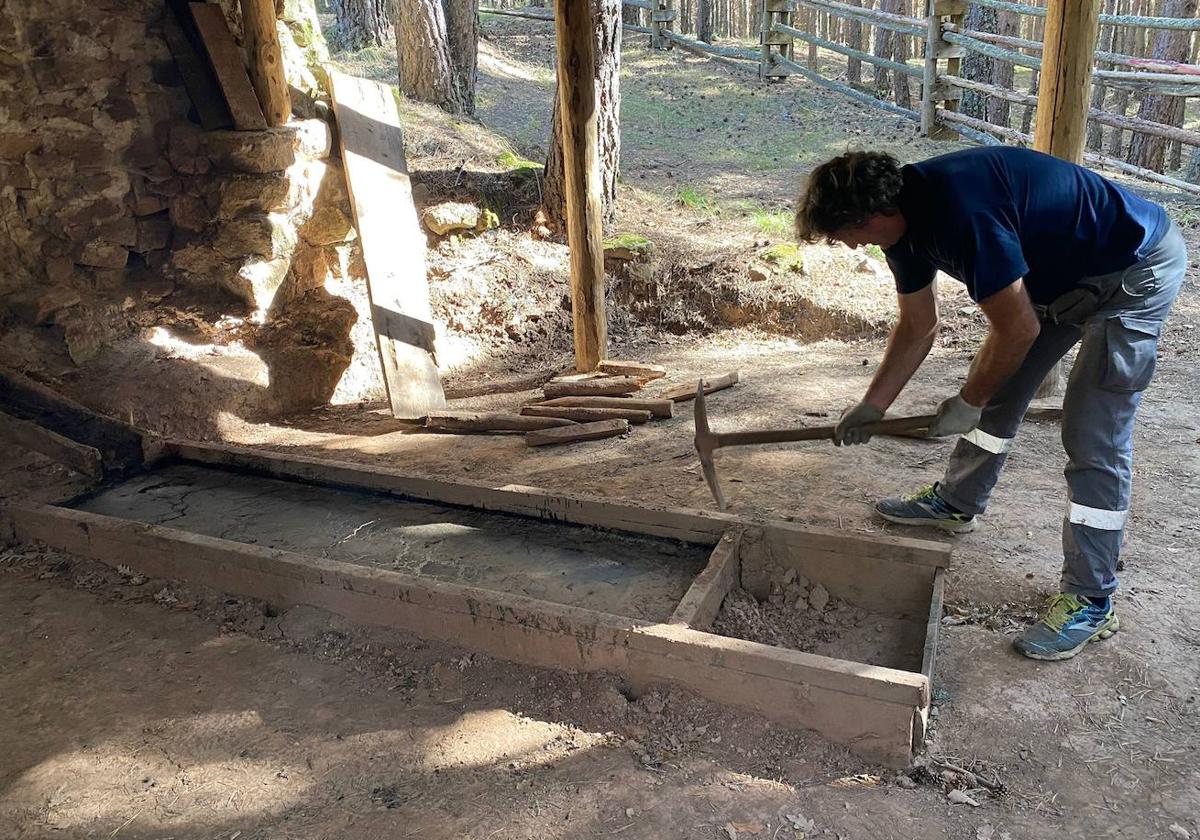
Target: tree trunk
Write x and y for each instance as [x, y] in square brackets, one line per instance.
[900, 53]
[1037, 27]
[854, 39]
[435, 52]
[885, 41]
[606, 15]
[998, 110]
[704, 20]
[1145, 150]
[976, 67]
[631, 15]
[1124, 44]
[1107, 42]
[361, 23]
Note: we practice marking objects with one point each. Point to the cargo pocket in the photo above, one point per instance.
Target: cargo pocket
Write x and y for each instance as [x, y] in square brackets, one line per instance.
[1132, 345]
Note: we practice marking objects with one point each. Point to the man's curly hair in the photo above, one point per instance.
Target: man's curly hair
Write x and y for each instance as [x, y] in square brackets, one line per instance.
[845, 192]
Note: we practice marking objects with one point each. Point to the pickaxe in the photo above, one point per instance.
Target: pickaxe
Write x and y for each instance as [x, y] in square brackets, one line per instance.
[708, 441]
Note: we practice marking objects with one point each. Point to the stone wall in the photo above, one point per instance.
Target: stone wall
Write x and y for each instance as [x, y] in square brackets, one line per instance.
[113, 205]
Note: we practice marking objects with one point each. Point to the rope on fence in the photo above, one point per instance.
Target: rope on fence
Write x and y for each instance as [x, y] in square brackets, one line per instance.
[1190, 24]
[1180, 135]
[857, 95]
[894, 66]
[884, 20]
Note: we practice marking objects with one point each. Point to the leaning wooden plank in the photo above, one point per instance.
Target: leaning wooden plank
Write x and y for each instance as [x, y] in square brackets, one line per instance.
[869, 708]
[664, 409]
[469, 423]
[392, 242]
[225, 59]
[83, 459]
[198, 79]
[121, 445]
[587, 415]
[643, 371]
[702, 601]
[711, 383]
[578, 432]
[509, 385]
[605, 386]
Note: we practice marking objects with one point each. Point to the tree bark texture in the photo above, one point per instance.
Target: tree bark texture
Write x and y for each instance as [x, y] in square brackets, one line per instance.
[362, 23]
[885, 41]
[998, 110]
[606, 17]
[900, 53]
[854, 38]
[1107, 42]
[976, 67]
[1145, 150]
[432, 37]
[704, 20]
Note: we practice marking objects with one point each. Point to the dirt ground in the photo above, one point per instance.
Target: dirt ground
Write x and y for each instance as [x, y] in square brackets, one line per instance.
[141, 709]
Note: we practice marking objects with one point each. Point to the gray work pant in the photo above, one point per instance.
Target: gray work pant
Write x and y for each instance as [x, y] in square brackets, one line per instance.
[1114, 365]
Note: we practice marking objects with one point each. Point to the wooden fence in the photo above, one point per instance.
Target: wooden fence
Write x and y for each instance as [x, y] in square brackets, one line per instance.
[946, 41]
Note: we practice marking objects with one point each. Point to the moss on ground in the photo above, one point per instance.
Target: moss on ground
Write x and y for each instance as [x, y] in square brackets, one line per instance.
[785, 256]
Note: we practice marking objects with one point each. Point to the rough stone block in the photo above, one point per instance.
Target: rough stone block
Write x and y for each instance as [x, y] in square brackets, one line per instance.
[314, 138]
[200, 259]
[190, 213]
[185, 150]
[272, 150]
[268, 235]
[40, 307]
[257, 282]
[254, 194]
[450, 216]
[120, 232]
[59, 269]
[103, 254]
[85, 338]
[328, 226]
[14, 146]
[15, 176]
[153, 233]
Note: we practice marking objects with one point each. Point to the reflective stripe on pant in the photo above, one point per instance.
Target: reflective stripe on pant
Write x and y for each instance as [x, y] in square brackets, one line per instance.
[1114, 365]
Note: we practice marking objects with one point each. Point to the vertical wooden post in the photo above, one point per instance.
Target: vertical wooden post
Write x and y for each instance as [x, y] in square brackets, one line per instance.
[936, 49]
[581, 173]
[1072, 27]
[266, 60]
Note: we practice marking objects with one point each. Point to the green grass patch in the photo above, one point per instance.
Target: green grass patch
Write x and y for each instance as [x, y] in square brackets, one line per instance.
[513, 161]
[875, 252]
[785, 256]
[635, 244]
[772, 222]
[694, 199]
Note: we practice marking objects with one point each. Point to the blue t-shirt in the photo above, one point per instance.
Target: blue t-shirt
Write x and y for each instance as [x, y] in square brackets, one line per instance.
[991, 216]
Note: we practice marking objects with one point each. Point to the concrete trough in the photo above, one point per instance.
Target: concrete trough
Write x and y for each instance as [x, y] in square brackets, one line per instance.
[529, 576]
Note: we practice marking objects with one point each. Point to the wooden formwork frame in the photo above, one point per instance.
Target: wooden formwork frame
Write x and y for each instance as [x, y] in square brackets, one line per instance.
[879, 712]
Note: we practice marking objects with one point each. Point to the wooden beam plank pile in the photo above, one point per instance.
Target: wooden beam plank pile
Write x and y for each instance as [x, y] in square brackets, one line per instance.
[584, 406]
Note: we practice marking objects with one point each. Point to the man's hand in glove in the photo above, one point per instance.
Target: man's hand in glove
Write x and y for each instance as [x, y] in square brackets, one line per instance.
[849, 430]
[955, 416]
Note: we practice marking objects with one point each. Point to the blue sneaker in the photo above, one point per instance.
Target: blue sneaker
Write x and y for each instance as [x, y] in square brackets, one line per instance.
[1070, 622]
[925, 507]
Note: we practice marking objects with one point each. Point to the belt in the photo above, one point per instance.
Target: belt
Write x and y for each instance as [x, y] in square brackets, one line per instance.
[1079, 304]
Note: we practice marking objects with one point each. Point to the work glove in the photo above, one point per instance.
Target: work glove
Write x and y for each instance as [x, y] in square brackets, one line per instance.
[955, 416]
[849, 430]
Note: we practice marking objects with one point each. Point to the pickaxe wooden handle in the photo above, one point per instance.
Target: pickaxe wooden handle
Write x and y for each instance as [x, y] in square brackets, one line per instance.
[708, 441]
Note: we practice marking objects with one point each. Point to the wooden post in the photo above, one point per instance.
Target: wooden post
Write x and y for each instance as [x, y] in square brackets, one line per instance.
[774, 11]
[1072, 27]
[936, 49]
[266, 60]
[581, 172]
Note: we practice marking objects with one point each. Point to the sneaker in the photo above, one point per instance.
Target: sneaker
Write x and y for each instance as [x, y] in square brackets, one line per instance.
[925, 507]
[1070, 622]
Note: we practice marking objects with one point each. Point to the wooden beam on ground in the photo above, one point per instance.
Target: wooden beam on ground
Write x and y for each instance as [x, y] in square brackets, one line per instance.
[392, 242]
[702, 602]
[643, 371]
[226, 61]
[711, 383]
[587, 415]
[577, 432]
[581, 172]
[121, 446]
[605, 386]
[197, 75]
[662, 409]
[266, 60]
[77, 456]
[470, 423]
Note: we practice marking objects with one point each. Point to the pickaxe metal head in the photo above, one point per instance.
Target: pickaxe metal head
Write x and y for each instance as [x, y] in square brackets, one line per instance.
[706, 444]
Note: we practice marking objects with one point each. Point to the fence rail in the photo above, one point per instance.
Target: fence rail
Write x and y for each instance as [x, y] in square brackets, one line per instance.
[946, 39]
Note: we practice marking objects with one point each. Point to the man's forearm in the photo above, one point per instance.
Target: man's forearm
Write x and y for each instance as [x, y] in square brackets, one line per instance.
[999, 358]
[907, 348]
